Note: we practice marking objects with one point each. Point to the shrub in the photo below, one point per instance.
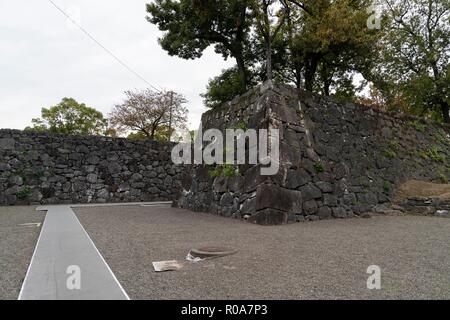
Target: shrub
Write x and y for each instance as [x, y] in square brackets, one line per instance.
[224, 170]
[388, 153]
[435, 154]
[24, 193]
[443, 178]
[319, 167]
[394, 145]
[387, 187]
[241, 125]
[417, 125]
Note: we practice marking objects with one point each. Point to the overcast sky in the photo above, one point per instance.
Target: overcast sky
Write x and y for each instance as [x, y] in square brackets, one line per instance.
[44, 58]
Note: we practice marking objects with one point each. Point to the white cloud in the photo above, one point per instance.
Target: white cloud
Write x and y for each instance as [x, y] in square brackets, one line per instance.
[42, 60]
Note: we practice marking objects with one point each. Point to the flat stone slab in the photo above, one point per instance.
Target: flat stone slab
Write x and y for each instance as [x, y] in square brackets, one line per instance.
[63, 255]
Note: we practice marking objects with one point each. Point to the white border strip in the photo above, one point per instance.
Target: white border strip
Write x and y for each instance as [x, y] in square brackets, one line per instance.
[98, 252]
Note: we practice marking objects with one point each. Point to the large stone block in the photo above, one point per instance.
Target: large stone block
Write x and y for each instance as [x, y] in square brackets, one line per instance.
[297, 178]
[273, 197]
[310, 207]
[324, 213]
[7, 143]
[310, 192]
[253, 178]
[269, 217]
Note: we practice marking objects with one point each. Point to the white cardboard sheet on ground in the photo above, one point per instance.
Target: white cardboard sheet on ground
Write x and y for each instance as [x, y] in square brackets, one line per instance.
[163, 266]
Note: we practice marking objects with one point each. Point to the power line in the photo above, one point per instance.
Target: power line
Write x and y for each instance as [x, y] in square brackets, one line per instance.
[102, 46]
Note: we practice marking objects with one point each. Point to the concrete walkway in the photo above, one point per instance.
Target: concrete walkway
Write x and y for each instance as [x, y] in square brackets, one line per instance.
[66, 265]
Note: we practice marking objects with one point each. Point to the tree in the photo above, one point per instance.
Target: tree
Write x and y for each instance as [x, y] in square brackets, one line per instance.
[318, 45]
[162, 134]
[416, 52]
[148, 112]
[70, 117]
[191, 26]
[224, 88]
[326, 42]
[266, 30]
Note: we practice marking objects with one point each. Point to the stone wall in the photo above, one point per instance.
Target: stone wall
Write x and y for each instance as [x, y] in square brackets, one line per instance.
[43, 168]
[338, 160]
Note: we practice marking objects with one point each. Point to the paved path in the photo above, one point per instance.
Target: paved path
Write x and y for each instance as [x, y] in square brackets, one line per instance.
[63, 251]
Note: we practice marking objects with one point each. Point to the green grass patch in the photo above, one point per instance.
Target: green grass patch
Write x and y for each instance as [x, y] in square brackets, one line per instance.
[319, 167]
[224, 170]
[417, 125]
[443, 178]
[387, 187]
[394, 145]
[390, 154]
[241, 125]
[24, 193]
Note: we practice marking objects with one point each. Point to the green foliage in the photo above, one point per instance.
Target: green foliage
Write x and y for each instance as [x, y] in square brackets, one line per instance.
[328, 44]
[229, 171]
[161, 134]
[388, 153]
[214, 173]
[435, 154]
[319, 167]
[319, 45]
[295, 38]
[224, 170]
[387, 187]
[241, 125]
[391, 152]
[137, 136]
[423, 155]
[413, 66]
[442, 137]
[417, 125]
[39, 174]
[24, 193]
[192, 26]
[443, 178]
[394, 145]
[224, 88]
[70, 117]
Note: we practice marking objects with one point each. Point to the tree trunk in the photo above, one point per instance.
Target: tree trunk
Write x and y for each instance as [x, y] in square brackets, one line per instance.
[296, 66]
[445, 111]
[310, 71]
[326, 88]
[238, 47]
[152, 134]
[268, 41]
[298, 77]
[170, 116]
[326, 79]
[269, 60]
[242, 70]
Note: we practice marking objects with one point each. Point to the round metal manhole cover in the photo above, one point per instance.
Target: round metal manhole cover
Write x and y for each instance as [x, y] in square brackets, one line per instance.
[212, 252]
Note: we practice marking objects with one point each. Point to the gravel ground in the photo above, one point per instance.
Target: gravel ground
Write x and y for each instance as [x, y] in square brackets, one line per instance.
[317, 260]
[17, 244]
